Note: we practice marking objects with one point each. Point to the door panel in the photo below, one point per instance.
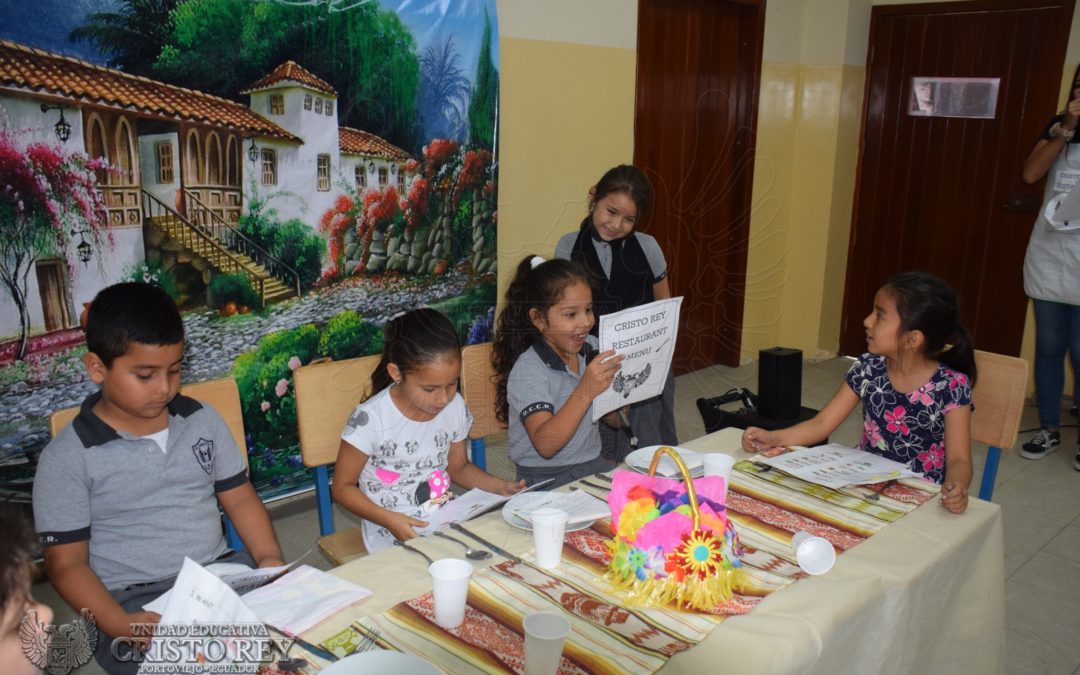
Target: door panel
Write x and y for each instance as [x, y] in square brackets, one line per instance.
[699, 65]
[944, 194]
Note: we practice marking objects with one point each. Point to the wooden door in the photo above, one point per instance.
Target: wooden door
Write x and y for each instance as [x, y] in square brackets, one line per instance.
[944, 194]
[699, 65]
[52, 290]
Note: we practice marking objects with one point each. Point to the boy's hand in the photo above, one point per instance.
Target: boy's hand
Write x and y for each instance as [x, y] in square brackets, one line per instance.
[954, 497]
[270, 561]
[142, 639]
[601, 371]
[512, 488]
[401, 525]
[756, 440]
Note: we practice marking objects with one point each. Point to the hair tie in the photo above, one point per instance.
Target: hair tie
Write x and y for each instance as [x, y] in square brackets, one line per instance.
[536, 261]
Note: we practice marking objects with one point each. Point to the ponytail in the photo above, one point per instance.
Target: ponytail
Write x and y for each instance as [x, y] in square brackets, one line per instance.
[960, 356]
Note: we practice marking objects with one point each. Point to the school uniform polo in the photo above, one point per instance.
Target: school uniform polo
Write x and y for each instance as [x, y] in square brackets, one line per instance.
[142, 510]
[541, 382]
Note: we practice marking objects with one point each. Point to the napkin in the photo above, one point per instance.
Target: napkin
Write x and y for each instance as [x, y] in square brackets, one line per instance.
[302, 598]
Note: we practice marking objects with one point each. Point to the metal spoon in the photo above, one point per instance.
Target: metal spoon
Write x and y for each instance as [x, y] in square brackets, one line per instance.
[398, 542]
[470, 552]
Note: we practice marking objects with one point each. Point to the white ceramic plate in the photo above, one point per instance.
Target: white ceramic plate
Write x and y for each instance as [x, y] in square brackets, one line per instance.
[527, 503]
[381, 662]
[640, 459]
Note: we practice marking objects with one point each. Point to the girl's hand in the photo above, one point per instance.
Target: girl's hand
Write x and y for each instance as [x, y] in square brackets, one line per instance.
[401, 525]
[512, 488]
[1072, 112]
[954, 497]
[756, 440]
[600, 372]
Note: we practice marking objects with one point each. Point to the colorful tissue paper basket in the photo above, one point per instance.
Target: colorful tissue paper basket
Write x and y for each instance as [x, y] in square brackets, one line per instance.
[672, 541]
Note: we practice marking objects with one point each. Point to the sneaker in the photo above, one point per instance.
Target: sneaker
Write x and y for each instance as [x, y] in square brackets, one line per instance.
[1041, 445]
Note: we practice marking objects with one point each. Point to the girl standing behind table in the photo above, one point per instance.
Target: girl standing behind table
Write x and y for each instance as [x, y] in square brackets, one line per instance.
[1052, 274]
[627, 269]
[548, 375]
[403, 446]
[915, 392]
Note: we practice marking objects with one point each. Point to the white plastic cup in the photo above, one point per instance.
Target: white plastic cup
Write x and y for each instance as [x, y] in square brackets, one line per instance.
[545, 633]
[718, 464]
[450, 588]
[815, 555]
[549, 526]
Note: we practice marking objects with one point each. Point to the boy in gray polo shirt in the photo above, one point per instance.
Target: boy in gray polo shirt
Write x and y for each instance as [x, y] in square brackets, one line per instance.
[128, 489]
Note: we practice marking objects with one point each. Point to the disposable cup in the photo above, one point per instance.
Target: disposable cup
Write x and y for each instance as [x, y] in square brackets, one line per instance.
[544, 636]
[815, 555]
[450, 587]
[718, 464]
[549, 526]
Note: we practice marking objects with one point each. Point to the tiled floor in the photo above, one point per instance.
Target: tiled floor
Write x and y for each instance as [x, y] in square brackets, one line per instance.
[1040, 502]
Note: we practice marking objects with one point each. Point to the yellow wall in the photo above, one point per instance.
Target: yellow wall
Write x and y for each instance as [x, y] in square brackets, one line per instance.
[568, 73]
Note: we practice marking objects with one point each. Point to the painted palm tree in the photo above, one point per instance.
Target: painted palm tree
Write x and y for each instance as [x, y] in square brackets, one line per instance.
[132, 36]
[444, 91]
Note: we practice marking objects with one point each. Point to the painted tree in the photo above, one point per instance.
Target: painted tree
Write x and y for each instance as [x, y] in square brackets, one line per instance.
[131, 36]
[47, 195]
[444, 91]
[485, 97]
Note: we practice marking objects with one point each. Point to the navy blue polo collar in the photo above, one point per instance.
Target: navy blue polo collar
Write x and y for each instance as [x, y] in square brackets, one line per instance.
[93, 431]
[552, 360]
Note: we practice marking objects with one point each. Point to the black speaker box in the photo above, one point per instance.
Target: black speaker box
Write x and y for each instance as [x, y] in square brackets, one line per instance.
[779, 383]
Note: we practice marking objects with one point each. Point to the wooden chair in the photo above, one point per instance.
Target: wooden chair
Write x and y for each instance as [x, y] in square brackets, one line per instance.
[223, 396]
[326, 394]
[999, 401]
[478, 389]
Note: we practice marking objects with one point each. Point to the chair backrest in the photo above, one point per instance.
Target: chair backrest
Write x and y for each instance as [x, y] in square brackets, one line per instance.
[222, 395]
[999, 398]
[326, 394]
[478, 389]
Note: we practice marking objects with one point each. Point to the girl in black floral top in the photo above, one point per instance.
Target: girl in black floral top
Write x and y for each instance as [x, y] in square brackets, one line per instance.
[915, 386]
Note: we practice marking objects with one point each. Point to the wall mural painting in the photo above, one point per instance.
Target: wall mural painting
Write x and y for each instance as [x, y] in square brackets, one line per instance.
[291, 172]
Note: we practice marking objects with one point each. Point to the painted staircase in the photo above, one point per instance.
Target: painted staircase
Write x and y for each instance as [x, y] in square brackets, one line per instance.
[223, 247]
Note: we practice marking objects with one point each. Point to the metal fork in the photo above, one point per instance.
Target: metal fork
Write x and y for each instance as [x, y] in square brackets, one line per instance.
[370, 641]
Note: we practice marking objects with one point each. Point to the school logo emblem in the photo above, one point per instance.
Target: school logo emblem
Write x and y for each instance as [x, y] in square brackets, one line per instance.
[204, 452]
[58, 649]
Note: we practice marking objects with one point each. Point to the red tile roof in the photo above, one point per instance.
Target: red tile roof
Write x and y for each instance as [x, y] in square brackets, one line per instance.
[356, 142]
[32, 70]
[291, 70]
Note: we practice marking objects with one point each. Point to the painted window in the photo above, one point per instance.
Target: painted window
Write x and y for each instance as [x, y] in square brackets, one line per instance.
[323, 169]
[232, 162]
[318, 106]
[164, 162]
[307, 101]
[329, 109]
[97, 148]
[269, 167]
[195, 169]
[125, 154]
[401, 181]
[383, 176]
[213, 159]
[360, 173]
[277, 104]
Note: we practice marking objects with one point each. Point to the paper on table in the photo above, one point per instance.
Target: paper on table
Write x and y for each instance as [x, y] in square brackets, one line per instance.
[836, 466]
[580, 505]
[302, 598]
[199, 597]
[645, 335]
[240, 578]
[472, 503]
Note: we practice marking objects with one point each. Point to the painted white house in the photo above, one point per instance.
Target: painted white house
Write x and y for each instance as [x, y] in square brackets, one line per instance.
[180, 151]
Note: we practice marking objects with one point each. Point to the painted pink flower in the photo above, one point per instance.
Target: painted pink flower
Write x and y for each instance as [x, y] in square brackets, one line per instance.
[934, 458]
[294, 363]
[264, 406]
[922, 394]
[895, 419]
[873, 433]
[282, 387]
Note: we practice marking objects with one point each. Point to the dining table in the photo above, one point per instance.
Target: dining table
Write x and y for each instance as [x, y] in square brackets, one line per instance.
[923, 594]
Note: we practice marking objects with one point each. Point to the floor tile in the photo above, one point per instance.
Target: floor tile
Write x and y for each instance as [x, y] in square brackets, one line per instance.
[1066, 544]
[1042, 615]
[1027, 655]
[1050, 573]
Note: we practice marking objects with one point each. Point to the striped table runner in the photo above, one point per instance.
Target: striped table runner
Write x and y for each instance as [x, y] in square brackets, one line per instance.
[767, 506]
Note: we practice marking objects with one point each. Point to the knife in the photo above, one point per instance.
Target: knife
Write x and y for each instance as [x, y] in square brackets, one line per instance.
[484, 542]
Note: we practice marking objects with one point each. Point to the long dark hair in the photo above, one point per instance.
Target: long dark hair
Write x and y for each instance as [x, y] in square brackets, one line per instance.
[624, 178]
[926, 303]
[532, 288]
[413, 339]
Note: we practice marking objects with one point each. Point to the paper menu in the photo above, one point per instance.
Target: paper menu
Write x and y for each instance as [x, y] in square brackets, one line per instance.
[837, 466]
[580, 505]
[240, 578]
[302, 598]
[469, 505]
